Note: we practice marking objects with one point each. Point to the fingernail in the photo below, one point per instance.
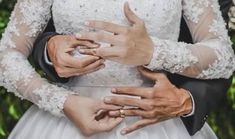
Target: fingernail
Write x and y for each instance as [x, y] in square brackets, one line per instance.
[103, 60]
[114, 90]
[123, 132]
[81, 51]
[107, 99]
[87, 23]
[95, 46]
[103, 66]
[77, 35]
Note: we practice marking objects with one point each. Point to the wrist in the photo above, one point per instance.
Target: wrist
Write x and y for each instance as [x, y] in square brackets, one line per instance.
[51, 46]
[187, 106]
[68, 103]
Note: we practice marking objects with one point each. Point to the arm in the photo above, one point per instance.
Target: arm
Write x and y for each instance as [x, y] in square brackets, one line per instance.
[207, 87]
[211, 55]
[207, 95]
[28, 19]
[38, 54]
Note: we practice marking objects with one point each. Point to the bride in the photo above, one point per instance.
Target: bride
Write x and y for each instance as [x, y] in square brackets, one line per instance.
[210, 57]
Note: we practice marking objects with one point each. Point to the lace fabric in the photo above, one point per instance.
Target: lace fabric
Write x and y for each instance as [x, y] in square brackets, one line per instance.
[210, 57]
[28, 19]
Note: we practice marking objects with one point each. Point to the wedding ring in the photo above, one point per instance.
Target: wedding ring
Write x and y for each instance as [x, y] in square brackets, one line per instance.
[122, 114]
[94, 51]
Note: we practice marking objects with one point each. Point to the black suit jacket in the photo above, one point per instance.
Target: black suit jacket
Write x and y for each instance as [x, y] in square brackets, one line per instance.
[206, 93]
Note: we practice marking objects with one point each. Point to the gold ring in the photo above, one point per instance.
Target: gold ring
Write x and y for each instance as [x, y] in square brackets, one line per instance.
[122, 114]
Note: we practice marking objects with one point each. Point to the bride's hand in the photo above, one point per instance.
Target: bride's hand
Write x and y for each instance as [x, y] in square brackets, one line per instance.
[83, 112]
[130, 45]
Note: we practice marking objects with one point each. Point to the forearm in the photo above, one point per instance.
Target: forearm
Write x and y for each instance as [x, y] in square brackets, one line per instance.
[207, 95]
[39, 57]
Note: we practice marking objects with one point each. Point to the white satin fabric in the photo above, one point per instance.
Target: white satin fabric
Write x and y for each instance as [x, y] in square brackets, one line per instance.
[38, 124]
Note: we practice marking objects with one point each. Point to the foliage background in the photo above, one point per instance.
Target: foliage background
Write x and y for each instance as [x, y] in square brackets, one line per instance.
[12, 108]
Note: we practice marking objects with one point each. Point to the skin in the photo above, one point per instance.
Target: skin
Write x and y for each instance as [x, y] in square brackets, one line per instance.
[129, 45]
[83, 112]
[59, 51]
[161, 102]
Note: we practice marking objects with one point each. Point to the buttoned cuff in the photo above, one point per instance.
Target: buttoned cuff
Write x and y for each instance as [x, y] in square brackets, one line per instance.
[46, 56]
[193, 107]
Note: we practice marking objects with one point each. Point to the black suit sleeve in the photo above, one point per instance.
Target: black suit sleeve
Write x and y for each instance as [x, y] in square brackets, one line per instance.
[38, 54]
[207, 94]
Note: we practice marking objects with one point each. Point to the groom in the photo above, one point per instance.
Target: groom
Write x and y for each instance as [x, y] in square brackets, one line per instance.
[192, 103]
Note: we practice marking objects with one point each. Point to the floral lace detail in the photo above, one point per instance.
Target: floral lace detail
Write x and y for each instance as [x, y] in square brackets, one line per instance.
[175, 57]
[19, 72]
[224, 65]
[166, 56]
[194, 9]
[28, 19]
[52, 98]
[35, 15]
[10, 30]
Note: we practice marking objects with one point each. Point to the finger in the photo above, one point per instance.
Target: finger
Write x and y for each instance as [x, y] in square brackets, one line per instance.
[77, 72]
[71, 71]
[103, 106]
[104, 52]
[136, 112]
[88, 44]
[126, 101]
[114, 113]
[92, 70]
[94, 66]
[130, 15]
[109, 123]
[100, 37]
[150, 74]
[139, 124]
[74, 62]
[110, 27]
[134, 91]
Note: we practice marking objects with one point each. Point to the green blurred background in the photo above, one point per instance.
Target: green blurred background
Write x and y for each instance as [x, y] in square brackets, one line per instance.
[12, 108]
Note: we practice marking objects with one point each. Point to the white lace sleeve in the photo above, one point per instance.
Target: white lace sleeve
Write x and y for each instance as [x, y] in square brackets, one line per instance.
[16, 74]
[211, 56]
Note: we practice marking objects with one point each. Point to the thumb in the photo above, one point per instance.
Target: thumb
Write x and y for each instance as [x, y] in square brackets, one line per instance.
[130, 15]
[108, 123]
[150, 74]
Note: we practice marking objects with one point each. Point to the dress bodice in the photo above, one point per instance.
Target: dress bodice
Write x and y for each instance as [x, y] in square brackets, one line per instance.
[209, 57]
[162, 18]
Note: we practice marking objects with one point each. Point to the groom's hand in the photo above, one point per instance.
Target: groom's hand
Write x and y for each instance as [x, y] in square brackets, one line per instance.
[59, 51]
[161, 102]
[129, 45]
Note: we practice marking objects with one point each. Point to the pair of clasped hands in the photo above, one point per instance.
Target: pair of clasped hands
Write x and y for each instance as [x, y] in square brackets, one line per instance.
[128, 45]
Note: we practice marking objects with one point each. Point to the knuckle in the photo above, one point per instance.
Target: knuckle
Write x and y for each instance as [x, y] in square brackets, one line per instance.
[139, 126]
[127, 31]
[132, 112]
[151, 94]
[142, 23]
[100, 36]
[87, 133]
[150, 104]
[59, 71]
[152, 114]
[79, 65]
[126, 40]
[108, 130]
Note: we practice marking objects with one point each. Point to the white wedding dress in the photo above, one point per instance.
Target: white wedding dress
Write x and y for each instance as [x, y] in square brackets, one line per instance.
[210, 57]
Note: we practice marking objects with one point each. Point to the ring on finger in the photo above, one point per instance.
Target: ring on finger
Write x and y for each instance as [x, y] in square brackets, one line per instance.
[122, 114]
